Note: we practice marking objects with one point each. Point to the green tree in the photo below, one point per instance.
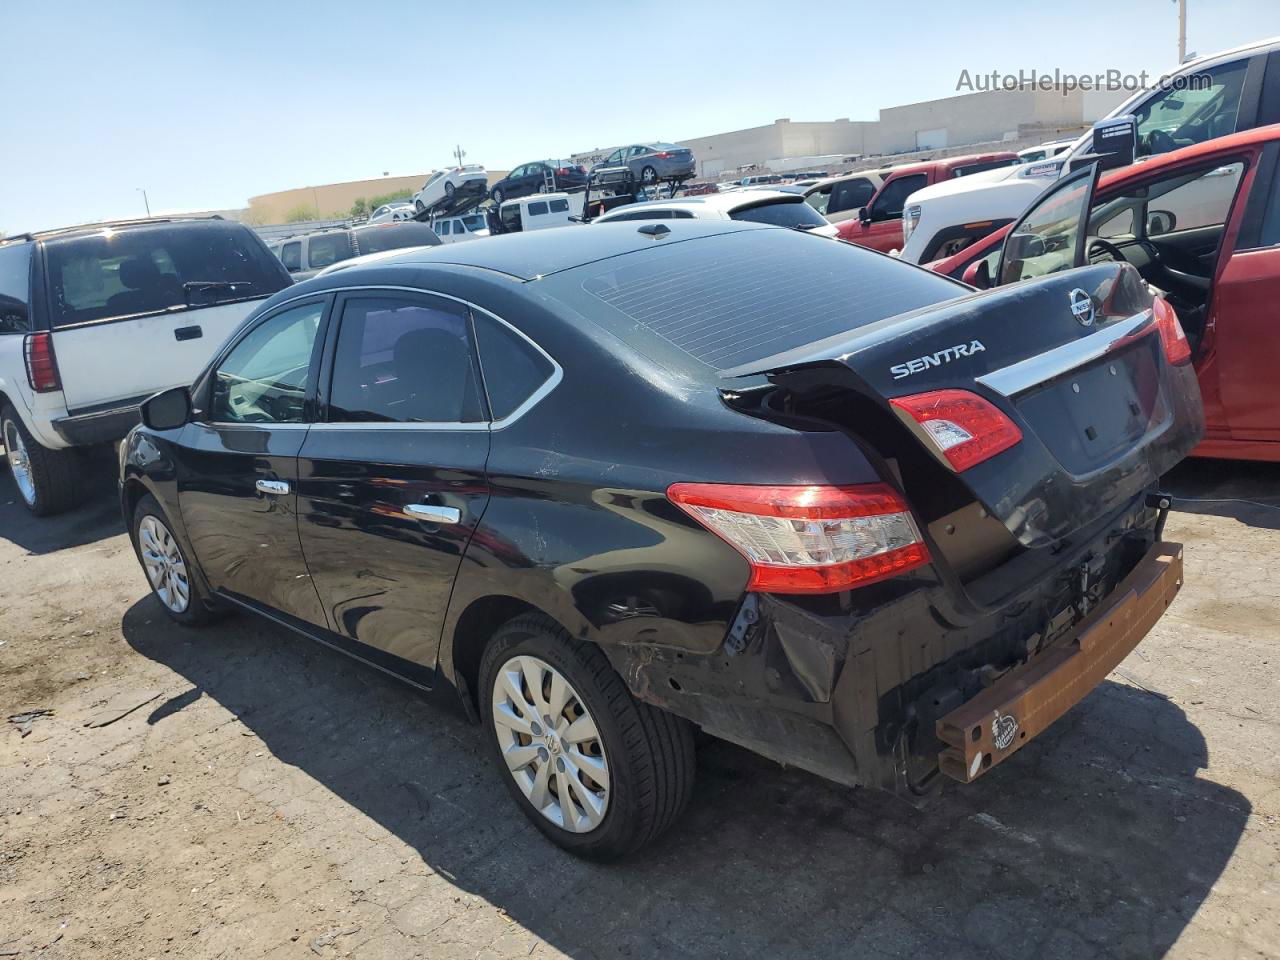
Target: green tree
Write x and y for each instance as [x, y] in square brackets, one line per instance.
[360, 208]
[376, 202]
[301, 213]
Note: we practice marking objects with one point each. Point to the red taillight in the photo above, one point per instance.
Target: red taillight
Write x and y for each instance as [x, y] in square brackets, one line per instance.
[964, 428]
[663, 155]
[809, 539]
[1177, 349]
[42, 368]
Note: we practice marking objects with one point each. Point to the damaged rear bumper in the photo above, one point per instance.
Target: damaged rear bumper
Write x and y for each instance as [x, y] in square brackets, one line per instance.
[1023, 703]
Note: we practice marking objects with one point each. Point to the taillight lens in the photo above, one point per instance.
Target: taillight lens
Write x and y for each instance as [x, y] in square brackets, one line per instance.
[1177, 349]
[663, 155]
[42, 368]
[965, 428]
[809, 539]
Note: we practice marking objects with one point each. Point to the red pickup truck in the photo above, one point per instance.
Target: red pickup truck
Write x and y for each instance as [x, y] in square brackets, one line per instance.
[1202, 226]
[879, 224]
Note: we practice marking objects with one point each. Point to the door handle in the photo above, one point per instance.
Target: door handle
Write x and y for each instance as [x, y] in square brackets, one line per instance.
[430, 513]
[276, 488]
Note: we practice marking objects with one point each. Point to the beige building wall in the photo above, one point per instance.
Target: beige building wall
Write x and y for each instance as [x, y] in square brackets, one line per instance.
[725, 152]
[332, 199]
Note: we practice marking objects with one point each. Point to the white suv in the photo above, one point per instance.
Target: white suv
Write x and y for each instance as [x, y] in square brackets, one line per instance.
[95, 319]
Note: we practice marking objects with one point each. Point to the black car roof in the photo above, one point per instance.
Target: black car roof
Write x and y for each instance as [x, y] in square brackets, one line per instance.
[116, 225]
[540, 253]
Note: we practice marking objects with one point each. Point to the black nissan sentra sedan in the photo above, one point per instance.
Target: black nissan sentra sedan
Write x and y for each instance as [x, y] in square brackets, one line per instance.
[612, 485]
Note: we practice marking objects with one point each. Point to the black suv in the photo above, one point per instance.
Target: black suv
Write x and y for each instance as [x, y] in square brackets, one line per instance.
[610, 485]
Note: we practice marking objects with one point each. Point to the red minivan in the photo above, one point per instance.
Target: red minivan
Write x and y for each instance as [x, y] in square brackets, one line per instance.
[879, 224]
[1202, 226]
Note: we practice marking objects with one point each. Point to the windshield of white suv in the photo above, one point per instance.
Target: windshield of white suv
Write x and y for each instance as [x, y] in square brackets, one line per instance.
[148, 269]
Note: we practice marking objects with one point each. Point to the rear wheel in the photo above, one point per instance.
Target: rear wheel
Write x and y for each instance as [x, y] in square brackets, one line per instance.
[449, 189]
[419, 206]
[172, 579]
[649, 176]
[47, 480]
[596, 771]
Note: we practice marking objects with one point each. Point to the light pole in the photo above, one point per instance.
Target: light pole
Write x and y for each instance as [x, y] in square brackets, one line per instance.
[1182, 31]
[145, 201]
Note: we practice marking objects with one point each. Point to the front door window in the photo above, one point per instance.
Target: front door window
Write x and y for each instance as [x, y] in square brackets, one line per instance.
[264, 379]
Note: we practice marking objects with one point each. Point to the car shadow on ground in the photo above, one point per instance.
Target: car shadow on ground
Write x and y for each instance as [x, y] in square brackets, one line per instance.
[96, 518]
[1099, 838]
[1245, 491]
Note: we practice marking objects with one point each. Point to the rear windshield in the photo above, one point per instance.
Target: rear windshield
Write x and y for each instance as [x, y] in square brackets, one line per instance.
[395, 236]
[119, 273]
[782, 213]
[734, 299]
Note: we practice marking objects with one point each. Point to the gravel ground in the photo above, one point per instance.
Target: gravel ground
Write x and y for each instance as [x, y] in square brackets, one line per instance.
[240, 792]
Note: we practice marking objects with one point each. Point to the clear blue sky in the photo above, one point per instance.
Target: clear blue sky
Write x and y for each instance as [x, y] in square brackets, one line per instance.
[207, 103]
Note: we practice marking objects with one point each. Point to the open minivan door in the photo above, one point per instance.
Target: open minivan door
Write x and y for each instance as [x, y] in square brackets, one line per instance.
[1050, 234]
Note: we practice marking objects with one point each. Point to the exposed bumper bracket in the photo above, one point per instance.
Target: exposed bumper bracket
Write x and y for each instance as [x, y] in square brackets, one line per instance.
[995, 724]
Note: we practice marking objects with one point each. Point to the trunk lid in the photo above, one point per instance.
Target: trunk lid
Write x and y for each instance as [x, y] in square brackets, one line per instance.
[1075, 360]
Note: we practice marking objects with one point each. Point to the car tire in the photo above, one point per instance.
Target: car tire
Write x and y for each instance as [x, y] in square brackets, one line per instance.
[47, 480]
[649, 175]
[449, 189]
[159, 550]
[496, 195]
[645, 754]
[419, 206]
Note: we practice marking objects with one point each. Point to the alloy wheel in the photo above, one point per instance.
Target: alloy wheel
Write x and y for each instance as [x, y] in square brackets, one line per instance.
[163, 561]
[19, 462]
[550, 744]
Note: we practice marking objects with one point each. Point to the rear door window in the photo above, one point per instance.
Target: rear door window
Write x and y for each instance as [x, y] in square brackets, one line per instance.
[291, 256]
[150, 269]
[850, 195]
[15, 287]
[559, 206]
[404, 359]
[324, 249]
[538, 209]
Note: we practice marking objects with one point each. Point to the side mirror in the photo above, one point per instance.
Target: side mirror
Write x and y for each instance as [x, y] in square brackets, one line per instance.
[864, 216]
[1115, 141]
[1023, 246]
[1160, 221]
[978, 274]
[167, 410]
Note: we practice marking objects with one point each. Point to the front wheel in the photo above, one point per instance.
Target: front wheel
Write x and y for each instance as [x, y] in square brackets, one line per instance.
[497, 195]
[419, 206]
[449, 189]
[47, 480]
[596, 771]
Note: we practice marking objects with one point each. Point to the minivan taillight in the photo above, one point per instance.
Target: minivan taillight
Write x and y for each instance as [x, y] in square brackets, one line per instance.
[962, 426]
[42, 368]
[809, 539]
[1177, 349]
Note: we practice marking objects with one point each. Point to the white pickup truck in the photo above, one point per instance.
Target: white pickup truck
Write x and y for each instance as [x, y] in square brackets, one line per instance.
[95, 319]
[1202, 100]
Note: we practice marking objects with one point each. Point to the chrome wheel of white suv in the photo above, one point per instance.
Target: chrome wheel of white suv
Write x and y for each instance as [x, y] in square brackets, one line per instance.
[550, 744]
[19, 462]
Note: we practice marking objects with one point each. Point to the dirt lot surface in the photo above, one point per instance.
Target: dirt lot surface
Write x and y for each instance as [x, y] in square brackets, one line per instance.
[240, 792]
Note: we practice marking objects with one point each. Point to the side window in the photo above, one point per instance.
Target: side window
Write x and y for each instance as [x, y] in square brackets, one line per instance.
[1188, 201]
[1203, 108]
[850, 195]
[510, 217]
[404, 360]
[559, 206]
[518, 172]
[326, 248]
[638, 151]
[1271, 219]
[443, 227]
[538, 209]
[291, 256]
[820, 200]
[1044, 241]
[264, 378]
[888, 206]
[513, 368]
[15, 281]
[615, 157]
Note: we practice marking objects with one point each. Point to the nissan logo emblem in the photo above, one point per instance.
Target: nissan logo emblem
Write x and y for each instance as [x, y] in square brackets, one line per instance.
[1081, 307]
